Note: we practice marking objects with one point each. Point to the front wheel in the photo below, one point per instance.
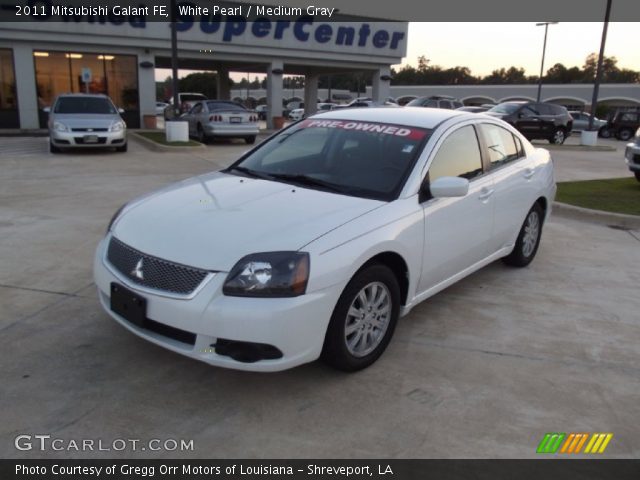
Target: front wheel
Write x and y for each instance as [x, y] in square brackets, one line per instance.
[559, 136]
[200, 135]
[637, 174]
[250, 140]
[528, 240]
[364, 320]
[604, 132]
[53, 148]
[122, 148]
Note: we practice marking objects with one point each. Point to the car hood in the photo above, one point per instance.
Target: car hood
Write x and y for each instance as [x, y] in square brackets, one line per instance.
[213, 220]
[86, 120]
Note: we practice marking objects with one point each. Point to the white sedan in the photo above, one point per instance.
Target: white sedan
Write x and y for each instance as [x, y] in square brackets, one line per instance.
[316, 241]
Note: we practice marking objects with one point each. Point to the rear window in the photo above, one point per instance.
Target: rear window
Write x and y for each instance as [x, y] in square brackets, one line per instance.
[91, 105]
[226, 106]
[506, 108]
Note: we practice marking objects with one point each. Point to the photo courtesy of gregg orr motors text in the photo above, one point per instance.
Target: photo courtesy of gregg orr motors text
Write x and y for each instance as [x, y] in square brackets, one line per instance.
[47, 443]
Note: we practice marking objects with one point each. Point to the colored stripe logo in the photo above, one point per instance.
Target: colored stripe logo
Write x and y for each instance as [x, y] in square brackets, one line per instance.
[574, 443]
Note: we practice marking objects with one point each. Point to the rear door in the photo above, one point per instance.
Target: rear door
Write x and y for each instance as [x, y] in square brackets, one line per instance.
[528, 121]
[512, 174]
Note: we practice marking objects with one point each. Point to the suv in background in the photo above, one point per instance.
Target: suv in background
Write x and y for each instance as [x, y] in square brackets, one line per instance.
[436, 101]
[623, 124]
[536, 120]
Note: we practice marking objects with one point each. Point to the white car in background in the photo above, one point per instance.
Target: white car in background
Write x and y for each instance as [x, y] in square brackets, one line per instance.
[296, 114]
[316, 241]
[222, 119]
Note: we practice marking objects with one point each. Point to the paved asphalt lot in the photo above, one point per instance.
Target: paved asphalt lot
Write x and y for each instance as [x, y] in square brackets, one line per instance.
[483, 369]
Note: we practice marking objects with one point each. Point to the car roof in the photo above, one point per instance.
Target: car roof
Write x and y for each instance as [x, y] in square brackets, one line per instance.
[411, 116]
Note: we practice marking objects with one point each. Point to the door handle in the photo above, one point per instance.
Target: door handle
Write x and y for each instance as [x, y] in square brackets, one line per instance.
[485, 193]
[528, 173]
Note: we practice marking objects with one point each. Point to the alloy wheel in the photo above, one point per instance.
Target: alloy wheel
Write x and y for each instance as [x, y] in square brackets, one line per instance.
[368, 319]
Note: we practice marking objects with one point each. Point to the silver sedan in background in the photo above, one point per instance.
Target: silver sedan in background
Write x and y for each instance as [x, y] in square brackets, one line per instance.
[79, 120]
[221, 118]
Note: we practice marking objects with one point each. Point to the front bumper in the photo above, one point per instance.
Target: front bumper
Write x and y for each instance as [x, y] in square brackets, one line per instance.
[632, 156]
[296, 326]
[78, 139]
[231, 130]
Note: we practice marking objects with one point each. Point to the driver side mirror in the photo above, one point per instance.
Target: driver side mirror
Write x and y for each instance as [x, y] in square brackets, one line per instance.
[46, 109]
[445, 187]
[121, 110]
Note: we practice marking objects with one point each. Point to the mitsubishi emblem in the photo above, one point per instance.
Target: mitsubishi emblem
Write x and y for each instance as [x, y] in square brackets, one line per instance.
[137, 271]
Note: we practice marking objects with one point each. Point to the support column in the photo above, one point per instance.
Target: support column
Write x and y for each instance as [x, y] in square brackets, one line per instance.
[222, 84]
[26, 86]
[380, 83]
[274, 91]
[310, 94]
[146, 87]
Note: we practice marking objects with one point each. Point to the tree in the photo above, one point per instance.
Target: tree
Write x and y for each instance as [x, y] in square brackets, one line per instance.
[506, 76]
[561, 74]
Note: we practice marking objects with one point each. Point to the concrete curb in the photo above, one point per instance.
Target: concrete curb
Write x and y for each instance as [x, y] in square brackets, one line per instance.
[596, 216]
[157, 147]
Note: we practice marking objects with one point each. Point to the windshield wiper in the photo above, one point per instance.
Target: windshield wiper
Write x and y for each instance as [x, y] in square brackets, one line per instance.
[251, 173]
[302, 179]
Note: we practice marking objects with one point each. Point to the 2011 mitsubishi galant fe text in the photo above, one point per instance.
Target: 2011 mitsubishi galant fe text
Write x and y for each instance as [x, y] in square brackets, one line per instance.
[316, 241]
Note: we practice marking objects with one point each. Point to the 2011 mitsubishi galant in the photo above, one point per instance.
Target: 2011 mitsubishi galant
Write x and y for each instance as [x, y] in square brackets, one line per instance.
[316, 241]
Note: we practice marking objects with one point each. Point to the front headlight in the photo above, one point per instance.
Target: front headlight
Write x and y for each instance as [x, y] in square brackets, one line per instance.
[117, 126]
[115, 217]
[59, 127]
[270, 274]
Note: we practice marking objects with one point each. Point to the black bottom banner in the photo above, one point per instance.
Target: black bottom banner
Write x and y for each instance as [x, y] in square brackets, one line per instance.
[542, 469]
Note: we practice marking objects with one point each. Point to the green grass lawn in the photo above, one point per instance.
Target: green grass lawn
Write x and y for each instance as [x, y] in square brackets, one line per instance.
[619, 195]
[159, 137]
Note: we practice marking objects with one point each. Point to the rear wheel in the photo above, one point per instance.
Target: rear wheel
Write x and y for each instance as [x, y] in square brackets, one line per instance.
[528, 240]
[364, 320]
[250, 140]
[53, 148]
[202, 138]
[559, 136]
[625, 134]
[604, 132]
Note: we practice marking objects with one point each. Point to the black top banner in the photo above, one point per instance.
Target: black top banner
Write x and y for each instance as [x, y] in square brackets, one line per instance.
[326, 10]
[536, 469]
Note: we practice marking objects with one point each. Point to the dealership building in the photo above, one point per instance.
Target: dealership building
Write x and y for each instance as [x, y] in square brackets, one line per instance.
[102, 54]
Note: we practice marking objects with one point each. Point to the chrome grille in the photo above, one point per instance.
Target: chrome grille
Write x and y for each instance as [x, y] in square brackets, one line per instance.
[156, 273]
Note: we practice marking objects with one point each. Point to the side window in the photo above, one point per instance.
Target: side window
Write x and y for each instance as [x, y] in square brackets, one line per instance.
[544, 109]
[527, 112]
[458, 156]
[501, 145]
[445, 104]
[431, 103]
[196, 109]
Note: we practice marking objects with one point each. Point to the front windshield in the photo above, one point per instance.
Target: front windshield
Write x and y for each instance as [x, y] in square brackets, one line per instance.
[366, 159]
[506, 108]
[95, 105]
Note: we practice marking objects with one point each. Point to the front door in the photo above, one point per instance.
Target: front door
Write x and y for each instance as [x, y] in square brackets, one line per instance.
[457, 230]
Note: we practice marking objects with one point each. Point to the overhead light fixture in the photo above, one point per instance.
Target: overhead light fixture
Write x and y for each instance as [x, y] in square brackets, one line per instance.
[106, 57]
[146, 64]
[386, 78]
[73, 55]
[40, 54]
[277, 71]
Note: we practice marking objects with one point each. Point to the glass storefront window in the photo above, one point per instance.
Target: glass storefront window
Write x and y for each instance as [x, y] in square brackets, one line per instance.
[8, 98]
[111, 74]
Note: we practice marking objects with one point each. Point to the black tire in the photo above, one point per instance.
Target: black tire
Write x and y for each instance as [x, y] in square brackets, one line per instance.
[559, 136]
[604, 132]
[336, 351]
[53, 148]
[122, 148]
[625, 134]
[637, 174]
[250, 140]
[523, 253]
